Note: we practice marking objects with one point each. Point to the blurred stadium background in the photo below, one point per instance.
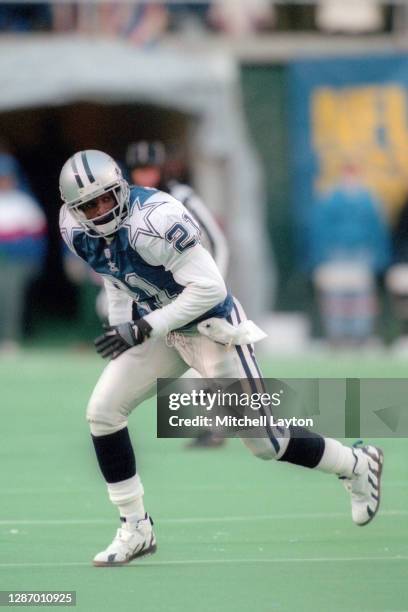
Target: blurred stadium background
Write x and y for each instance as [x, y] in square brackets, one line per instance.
[278, 113]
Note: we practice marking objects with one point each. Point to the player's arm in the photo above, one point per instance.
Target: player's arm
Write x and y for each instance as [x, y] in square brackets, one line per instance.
[177, 249]
[204, 289]
[204, 286]
[119, 303]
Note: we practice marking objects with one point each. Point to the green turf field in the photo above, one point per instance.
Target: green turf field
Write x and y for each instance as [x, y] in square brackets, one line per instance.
[234, 533]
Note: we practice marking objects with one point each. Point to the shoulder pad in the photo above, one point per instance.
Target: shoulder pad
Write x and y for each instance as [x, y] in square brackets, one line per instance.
[149, 216]
[68, 227]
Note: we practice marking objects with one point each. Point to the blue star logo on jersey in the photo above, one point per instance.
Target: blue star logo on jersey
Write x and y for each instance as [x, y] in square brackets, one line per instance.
[145, 226]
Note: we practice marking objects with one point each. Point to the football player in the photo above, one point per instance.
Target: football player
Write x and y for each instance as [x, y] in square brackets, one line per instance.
[161, 285]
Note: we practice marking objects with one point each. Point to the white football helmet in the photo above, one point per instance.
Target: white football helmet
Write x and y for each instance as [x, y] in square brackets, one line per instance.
[88, 175]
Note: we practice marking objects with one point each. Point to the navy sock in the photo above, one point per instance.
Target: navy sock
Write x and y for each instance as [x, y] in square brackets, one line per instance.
[115, 455]
[305, 448]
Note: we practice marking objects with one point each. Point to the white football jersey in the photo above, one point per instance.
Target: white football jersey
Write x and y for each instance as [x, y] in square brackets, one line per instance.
[154, 261]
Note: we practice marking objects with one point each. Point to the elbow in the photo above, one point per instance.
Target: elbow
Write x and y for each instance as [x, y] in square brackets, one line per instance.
[221, 293]
[213, 292]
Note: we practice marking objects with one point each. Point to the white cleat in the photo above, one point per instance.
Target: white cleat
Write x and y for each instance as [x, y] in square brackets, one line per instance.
[129, 543]
[365, 487]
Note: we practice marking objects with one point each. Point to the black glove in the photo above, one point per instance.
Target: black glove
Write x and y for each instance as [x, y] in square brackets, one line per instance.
[119, 338]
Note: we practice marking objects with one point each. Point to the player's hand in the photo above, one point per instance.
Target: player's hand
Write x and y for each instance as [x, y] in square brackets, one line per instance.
[119, 338]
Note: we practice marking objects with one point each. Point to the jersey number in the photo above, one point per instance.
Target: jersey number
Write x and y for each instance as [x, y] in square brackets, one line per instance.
[180, 237]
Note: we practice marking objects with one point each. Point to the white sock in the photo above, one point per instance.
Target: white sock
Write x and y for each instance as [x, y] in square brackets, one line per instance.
[134, 511]
[130, 520]
[338, 459]
[127, 495]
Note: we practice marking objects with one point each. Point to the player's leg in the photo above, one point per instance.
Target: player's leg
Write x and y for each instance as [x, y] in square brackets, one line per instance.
[360, 468]
[207, 438]
[216, 361]
[126, 382]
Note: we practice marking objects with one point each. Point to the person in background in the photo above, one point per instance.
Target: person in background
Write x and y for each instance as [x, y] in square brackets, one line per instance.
[146, 164]
[349, 248]
[188, 17]
[141, 23]
[23, 230]
[242, 18]
[361, 17]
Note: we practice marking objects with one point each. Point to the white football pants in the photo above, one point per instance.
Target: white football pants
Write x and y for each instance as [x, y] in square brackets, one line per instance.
[131, 378]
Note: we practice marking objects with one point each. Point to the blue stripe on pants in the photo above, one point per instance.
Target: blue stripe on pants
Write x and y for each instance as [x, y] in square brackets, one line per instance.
[253, 384]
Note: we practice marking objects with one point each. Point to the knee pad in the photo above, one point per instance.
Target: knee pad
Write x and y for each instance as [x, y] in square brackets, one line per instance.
[103, 419]
[262, 448]
[104, 429]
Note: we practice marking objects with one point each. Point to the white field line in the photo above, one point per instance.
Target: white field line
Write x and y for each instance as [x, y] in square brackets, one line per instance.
[69, 491]
[201, 519]
[279, 560]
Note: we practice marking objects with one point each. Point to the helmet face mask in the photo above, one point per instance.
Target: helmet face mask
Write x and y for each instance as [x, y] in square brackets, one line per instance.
[88, 175]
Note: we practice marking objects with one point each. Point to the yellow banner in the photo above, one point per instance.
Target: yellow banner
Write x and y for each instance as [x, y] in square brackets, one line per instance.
[366, 126]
